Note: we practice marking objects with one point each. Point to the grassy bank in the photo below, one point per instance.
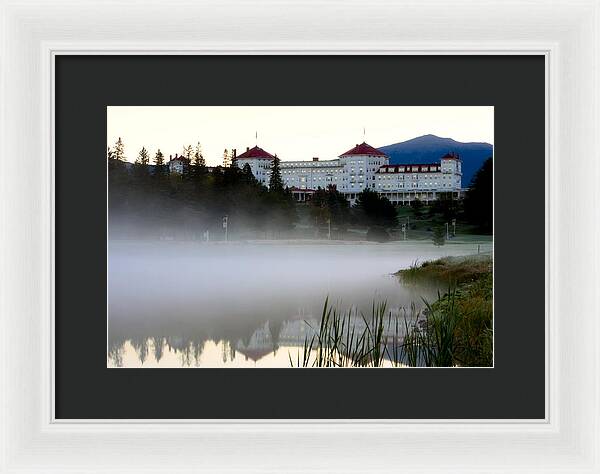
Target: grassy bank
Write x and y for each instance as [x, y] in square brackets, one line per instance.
[455, 330]
[452, 271]
[458, 328]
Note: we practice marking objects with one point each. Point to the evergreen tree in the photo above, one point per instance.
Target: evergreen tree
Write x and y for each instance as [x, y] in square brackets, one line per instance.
[199, 161]
[329, 206]
[143, 157]
[445, 205]
[479, 201]
[226, 159]
[110, 154]
[159, 158]
[439, 235]
[247, 174]
[119, 150]
[188, 151]
[275, 182]
[376, 210]
[417, 207]
[234, 161]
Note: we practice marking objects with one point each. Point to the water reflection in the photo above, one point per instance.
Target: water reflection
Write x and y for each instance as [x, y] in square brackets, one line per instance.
[267, 345]
[193, 305]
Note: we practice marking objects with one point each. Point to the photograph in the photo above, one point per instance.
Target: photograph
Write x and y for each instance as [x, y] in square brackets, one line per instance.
[300, 237]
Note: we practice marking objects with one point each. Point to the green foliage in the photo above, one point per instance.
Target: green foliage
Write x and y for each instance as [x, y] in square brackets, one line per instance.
[375, 210]
[119, 150]
[226, 158]
[451, 271]
[417, 207]
[247, 174]
[275, 181]
[159, 158]
[199, 161]
[458, 327]
[445, 206]
[147, 202]
[143, 157]
[439, 235]
[329, 206]
[339, 342]
[480, 198]
[188, 151]
[456, 330]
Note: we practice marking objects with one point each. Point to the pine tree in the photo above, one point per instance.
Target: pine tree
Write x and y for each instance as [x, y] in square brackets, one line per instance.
[275, 182]
[119, 150]
[439, 236]
[110, 154]
[479, 201]
[199, 161]
[188, 151]
[159, 158]
[376, 210]
[234, 161]
[143, 157]
[247, 174]
[226, 159]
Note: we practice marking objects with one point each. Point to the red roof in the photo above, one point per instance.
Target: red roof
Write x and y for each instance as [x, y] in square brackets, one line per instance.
[451, 156]
[256, 152]
[363, 149]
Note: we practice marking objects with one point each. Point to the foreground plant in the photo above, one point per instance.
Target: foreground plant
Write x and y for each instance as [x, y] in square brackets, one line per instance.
[455, 330]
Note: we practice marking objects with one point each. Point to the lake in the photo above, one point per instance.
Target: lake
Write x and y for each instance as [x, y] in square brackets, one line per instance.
[192, 304]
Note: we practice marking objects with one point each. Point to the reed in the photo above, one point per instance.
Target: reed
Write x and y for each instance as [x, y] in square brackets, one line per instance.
[455, 330]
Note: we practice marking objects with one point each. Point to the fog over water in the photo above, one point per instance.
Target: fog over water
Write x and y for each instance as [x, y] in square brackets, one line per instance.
[192, 304]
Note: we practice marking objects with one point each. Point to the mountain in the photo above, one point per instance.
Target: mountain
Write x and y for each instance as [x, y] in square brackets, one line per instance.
[430, 148]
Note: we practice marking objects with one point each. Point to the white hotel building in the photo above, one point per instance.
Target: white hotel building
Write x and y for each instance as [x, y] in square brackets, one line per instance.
[361, 167]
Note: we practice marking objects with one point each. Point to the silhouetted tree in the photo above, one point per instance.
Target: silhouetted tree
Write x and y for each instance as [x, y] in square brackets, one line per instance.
[275, 181]
[119, 150]
[199, 161]
[159, 158]
[248, 175]
[376, 210]
[439, 235]
[226, 159]
[330, 205]
[188, 151]
[446, 206]
[143, 158]
[417, 207]
[479, 201]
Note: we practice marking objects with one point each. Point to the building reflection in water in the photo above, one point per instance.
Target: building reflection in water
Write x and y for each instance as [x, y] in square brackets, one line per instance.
[264, 344]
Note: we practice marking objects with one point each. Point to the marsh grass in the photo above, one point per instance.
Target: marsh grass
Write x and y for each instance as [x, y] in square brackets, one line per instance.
[351, 339]
[455, 330]
[452, 271]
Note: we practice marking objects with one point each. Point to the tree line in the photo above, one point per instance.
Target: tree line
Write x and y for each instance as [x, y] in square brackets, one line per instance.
[148, 202]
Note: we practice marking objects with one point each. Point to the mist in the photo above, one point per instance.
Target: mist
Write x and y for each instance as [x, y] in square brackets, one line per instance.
[186, 294]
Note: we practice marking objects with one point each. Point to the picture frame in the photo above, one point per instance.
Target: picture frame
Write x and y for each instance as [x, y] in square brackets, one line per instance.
[566, 34]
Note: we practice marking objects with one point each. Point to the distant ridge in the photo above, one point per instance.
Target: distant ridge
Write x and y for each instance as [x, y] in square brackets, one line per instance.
[430, 148]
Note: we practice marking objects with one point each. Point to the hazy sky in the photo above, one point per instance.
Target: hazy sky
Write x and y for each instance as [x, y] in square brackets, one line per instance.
[294, 133]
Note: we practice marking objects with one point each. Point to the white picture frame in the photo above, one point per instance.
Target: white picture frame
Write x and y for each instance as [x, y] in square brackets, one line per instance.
[566, 33]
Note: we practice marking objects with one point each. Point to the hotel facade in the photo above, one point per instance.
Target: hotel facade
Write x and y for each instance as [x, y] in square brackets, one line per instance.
[359, 168]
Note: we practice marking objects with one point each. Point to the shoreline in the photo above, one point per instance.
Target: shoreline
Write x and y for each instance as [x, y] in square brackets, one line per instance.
[487, 240]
